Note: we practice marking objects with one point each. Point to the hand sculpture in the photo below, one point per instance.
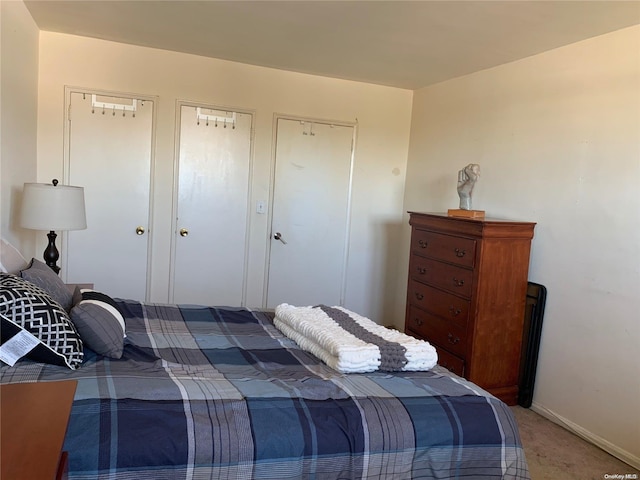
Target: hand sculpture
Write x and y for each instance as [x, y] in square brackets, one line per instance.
[467, 178]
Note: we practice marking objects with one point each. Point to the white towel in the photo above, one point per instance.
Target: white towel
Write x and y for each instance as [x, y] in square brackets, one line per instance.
[314, 331]
[343, 363]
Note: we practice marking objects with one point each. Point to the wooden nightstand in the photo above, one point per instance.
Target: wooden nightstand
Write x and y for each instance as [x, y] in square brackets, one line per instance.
[33, 424]
[72, 286]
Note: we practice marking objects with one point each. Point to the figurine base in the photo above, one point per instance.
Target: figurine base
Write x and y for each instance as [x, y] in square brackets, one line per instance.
[458, 212]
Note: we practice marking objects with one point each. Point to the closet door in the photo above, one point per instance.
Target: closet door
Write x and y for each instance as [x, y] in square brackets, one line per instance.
[110, 148]
[309, 234]
[212, 207]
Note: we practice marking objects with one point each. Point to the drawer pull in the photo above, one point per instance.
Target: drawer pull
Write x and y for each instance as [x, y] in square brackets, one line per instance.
[419, 295]
[452, 339]
[458, 283]
[422, 270]
[418, 321]
[423, 243]
[460, 253]
[454, 311]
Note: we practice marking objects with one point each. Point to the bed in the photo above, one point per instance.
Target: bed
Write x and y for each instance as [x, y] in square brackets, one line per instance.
[218, 392]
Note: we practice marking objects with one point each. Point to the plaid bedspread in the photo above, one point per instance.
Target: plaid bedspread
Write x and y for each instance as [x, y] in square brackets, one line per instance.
[217, 393]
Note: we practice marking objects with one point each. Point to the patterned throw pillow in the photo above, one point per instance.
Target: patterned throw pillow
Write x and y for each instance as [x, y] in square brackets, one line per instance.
[99, 322]
[41, 275]
[27, 306]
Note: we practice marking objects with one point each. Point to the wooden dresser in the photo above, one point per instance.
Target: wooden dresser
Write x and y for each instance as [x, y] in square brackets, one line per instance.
[466, 295]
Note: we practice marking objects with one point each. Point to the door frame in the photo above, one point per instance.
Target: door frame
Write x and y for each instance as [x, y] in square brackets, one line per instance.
[66, 132]
[176, 183]
[272, 183]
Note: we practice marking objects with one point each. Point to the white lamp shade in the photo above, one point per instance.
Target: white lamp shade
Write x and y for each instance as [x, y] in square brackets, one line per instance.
[49, 207]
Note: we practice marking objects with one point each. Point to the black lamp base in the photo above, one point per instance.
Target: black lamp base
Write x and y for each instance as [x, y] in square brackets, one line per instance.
[51, 254]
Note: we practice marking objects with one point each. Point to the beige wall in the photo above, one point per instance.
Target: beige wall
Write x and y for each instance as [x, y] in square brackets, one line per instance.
[557, 136]
[18, 117]
[383, 115]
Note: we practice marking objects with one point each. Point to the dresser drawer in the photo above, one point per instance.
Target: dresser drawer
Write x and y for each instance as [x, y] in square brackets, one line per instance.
[440, 303]
[442, 275]
[450, 362]
[448, 248]
[438, 331]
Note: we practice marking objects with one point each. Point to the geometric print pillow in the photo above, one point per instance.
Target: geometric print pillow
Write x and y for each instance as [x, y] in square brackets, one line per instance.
[28, 307]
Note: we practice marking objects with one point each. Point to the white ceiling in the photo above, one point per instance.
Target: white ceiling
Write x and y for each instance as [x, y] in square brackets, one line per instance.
[406, 44]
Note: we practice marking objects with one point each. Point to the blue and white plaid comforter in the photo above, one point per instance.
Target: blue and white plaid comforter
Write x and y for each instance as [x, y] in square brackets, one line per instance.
[217, 393]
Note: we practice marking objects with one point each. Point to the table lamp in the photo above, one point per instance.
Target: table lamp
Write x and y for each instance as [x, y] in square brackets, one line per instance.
[52, 207]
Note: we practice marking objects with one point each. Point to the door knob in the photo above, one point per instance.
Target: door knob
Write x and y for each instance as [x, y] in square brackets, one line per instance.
[278, 236]
[139, 230]
[184, 232]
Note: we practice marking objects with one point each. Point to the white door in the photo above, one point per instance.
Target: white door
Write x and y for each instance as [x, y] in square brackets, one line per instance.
[212, 210]
[309, 226]
[110, 141]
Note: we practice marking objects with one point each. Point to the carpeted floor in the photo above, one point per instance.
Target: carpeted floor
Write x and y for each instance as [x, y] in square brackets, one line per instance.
[554, 452]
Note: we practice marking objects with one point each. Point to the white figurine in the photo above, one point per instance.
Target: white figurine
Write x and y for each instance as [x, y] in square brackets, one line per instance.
[467, 178]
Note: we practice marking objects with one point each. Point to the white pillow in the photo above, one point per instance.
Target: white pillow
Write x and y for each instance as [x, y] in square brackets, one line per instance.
[11, 260]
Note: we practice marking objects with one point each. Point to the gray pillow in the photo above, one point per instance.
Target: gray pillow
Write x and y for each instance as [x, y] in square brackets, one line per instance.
[99, 323]
[42, 276]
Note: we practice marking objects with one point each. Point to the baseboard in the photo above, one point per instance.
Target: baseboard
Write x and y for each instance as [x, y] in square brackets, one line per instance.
[605, 445]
